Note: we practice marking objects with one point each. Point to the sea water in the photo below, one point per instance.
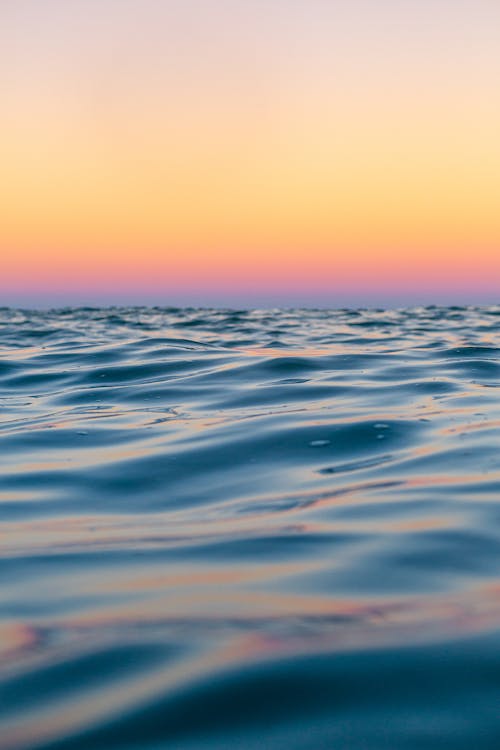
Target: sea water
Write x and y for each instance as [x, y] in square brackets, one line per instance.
[250, 529]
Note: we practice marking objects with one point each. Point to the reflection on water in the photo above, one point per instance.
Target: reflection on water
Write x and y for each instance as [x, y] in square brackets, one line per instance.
[266, 529]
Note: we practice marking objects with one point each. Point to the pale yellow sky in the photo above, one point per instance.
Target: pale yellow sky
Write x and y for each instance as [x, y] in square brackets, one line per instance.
[225, 139]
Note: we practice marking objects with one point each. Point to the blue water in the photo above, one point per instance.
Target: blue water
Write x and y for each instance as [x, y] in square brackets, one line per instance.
[227, 529]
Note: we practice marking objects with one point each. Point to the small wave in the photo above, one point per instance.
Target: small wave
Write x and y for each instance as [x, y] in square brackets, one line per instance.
[249, 528]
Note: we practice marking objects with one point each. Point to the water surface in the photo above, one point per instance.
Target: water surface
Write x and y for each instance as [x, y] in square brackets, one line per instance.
[250, 529]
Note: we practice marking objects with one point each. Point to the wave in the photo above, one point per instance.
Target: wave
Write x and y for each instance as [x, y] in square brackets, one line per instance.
[249, 529]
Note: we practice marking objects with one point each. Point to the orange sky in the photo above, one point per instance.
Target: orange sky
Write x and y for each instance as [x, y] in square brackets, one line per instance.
[294, 151]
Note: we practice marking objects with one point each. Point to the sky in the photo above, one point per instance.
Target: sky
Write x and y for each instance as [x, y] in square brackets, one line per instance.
[249, 152]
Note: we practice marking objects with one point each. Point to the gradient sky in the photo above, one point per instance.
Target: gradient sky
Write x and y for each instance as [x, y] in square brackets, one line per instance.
[246, 152]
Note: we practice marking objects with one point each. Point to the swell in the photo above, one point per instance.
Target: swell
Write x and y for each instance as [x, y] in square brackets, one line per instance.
[218, 524]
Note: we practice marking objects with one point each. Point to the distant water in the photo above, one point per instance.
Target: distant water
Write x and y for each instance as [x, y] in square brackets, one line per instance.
[260, 530]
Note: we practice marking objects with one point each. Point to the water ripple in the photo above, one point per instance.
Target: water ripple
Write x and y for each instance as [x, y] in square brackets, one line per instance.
[250, 529]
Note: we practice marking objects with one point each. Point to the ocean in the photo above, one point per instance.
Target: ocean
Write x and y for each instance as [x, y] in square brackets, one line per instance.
[273, 530]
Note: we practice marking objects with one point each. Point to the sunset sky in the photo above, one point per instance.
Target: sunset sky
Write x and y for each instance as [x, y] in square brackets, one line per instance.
[249, 152]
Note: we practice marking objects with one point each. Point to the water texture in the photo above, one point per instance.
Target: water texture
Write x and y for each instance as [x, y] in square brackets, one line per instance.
[250, 529]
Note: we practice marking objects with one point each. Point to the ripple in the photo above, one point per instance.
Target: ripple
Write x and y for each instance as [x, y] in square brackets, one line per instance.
[250, 528]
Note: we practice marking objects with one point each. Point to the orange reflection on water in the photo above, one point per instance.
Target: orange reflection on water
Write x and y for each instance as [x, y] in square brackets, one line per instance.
[206, 577]
[421, 524]
[484, 424]
[16, 636]
[290, 352]
[295, 617]
[450, 479]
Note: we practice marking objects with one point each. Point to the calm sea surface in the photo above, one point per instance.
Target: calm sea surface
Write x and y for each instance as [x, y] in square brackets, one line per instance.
[274, 530]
